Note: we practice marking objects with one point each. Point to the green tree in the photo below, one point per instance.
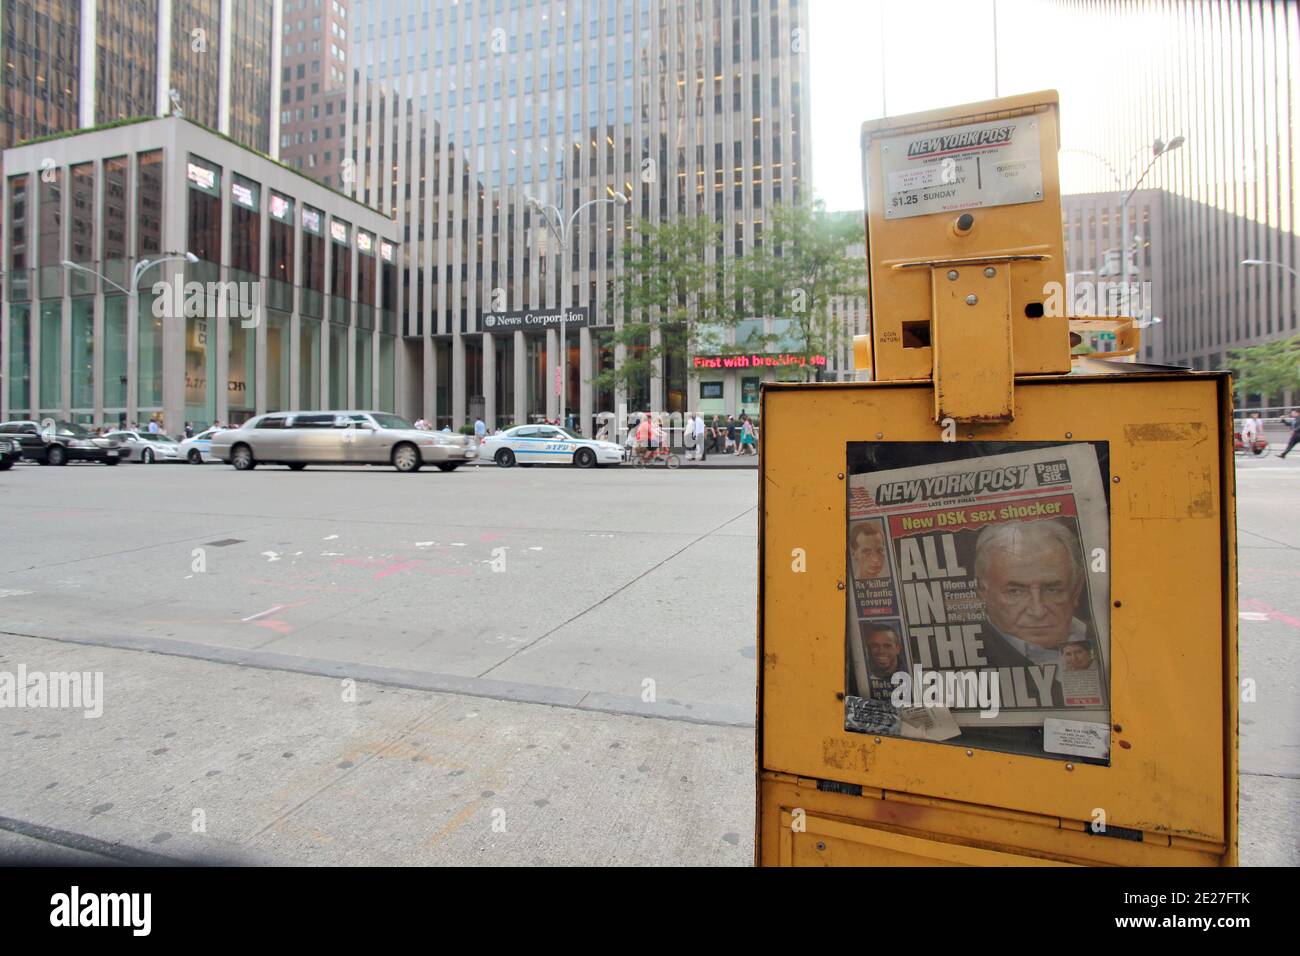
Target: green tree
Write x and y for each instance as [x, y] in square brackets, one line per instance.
[668, 286]
[1267, 369]
[803, 265]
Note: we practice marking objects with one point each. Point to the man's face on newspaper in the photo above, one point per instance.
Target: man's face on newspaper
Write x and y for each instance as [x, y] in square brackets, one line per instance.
[883, 648]
[1029, 591]
[869, 552]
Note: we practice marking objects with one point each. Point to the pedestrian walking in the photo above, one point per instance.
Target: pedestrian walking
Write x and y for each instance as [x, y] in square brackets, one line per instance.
[714, 434]
[698, 426]
[480, 430]
[748, 437]
[153, 426]
[189, 429]
[731, 445]
[1294, 421]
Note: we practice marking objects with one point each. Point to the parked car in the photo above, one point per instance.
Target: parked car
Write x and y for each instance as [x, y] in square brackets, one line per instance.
[530, 444]
[9, 453]
[299, 439]
[146, 447]
[61, 442]
[198, 449]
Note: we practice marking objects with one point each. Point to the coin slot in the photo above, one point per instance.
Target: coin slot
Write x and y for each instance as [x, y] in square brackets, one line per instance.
[916, 335]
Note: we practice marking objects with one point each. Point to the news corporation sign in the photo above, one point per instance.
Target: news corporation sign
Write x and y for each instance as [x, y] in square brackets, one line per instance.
[523, 321]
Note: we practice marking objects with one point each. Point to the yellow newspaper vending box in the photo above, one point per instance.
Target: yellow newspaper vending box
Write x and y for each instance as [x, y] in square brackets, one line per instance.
[997, 617]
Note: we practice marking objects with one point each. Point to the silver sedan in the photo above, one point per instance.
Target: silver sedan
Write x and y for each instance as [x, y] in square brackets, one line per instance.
[299, 439]
[146, 447]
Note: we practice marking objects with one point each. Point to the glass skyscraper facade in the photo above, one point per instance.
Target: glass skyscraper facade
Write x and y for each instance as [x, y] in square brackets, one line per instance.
[459, 111]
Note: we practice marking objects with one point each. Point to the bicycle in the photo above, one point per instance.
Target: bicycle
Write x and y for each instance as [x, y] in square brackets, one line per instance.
[664, 455]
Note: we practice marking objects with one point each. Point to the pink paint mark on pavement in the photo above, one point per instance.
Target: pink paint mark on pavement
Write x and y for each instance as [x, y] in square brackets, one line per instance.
[1273, 613]
[384, 567]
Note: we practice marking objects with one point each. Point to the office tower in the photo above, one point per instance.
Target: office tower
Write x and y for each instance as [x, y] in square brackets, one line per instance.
[462, 110]
[313, 87]
[73, 64]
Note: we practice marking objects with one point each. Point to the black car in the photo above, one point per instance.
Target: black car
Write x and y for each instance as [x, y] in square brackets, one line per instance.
[61, 442]
[9, 453]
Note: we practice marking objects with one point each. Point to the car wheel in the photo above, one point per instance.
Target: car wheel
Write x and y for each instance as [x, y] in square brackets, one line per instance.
[146, 456]
[505, 458]
[56, 455]
[241, 456]
[406, 457]
[448, 465]
[297, 465]
[585, 458]
[195, 457]
[6, 465]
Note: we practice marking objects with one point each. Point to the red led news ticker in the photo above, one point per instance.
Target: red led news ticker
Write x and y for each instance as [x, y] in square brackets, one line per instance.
[756, 360]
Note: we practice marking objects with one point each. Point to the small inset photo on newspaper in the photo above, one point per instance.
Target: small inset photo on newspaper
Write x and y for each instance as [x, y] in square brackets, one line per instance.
[979, 614]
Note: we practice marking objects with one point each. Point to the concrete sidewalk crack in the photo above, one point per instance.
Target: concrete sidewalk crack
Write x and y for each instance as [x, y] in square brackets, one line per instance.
[364, 762]
[617, 591]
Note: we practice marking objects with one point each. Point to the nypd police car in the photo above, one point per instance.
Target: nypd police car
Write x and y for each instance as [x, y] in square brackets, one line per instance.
[547, 444]
[198, 449]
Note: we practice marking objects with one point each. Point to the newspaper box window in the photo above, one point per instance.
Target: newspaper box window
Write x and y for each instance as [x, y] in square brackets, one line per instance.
[979, 609]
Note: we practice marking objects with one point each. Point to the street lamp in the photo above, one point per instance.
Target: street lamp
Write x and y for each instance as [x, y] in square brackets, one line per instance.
[563, 229]
[1270, 262]
[1158, 148]
[133, 297]
[136, 272]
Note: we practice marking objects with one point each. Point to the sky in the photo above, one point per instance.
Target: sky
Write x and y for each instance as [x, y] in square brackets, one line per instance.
[935, 53]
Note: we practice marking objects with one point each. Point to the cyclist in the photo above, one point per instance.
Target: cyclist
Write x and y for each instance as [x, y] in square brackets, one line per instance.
[645, 437]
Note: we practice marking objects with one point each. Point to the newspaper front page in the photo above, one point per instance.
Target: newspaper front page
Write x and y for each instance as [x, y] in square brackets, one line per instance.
[979, 606]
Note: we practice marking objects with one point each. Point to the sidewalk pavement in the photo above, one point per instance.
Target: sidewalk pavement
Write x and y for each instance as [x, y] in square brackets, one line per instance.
[199, 761]
[721, 460]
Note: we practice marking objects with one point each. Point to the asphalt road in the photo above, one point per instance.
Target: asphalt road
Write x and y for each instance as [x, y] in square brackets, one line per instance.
[356, 666]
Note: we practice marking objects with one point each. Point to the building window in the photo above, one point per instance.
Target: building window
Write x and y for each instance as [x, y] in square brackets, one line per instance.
[148, 205]
[115, 218]
[245, 225]
[203, 229]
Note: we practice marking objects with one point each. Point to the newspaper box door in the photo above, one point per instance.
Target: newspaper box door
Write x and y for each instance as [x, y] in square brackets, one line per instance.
[1014, 637]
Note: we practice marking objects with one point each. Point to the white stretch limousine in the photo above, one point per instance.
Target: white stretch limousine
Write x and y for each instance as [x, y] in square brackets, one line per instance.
[299, 439]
